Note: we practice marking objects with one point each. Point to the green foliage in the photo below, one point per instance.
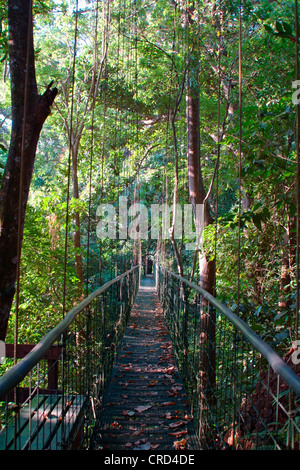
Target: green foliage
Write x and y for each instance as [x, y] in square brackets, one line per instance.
[134, 100]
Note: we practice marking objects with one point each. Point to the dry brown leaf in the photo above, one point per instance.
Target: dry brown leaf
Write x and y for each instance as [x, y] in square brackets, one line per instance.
[142, 408]
[128, 413]
[154, 446]
[177, 424]
[179, 445]
[152, 383]
[178, 434]
[137, 433]
[115, 424]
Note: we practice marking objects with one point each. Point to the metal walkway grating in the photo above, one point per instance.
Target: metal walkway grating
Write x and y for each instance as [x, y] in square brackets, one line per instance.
[145, 406]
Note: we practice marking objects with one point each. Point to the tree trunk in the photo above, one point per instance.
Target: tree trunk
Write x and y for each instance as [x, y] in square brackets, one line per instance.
[77, 234]
[197, 193]
[287, 266]
[38, 108]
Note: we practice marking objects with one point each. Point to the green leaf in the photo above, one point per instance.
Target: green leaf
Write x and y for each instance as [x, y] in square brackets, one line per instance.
[287, 27]
[257, 221]
[279, 27]
[268, 29]
[257, 311]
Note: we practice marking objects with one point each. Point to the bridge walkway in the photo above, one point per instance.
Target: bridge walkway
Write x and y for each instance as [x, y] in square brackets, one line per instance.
[145, 406]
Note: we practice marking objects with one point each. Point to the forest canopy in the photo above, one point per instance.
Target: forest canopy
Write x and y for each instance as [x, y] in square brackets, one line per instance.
[143, 87]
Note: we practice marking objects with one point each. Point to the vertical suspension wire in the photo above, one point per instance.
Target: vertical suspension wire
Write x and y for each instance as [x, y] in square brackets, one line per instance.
[89, 369]
[118, 250]
[122, 189]
[239, 153]
[123, 125]
[235, 352]
[64, 341]
[92, 152]
[219, 140]
[166, 152]
[137, 118]
[69, 157]
[126, 76]
[105, 29]
[297, 141]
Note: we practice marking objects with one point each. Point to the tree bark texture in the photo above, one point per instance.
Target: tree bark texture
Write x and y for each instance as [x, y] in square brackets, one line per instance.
[38, 108]
[197, 193]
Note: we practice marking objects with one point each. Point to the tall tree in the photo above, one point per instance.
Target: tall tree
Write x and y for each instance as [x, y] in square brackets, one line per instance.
[29, 112]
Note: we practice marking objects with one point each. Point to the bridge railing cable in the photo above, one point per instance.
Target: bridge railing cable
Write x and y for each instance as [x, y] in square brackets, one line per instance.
[59, 383]
[243, 394]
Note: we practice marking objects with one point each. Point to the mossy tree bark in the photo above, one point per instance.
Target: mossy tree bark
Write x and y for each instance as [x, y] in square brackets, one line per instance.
[22, 145]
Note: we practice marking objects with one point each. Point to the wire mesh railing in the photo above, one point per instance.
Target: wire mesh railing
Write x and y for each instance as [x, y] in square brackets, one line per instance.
[48, 400]
[243, 395]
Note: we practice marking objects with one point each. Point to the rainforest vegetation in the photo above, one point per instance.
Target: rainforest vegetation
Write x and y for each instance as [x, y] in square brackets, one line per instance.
[145, 104]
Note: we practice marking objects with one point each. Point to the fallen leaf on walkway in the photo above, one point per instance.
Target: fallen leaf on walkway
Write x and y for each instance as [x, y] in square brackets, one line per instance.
[124, 384]
[140, 409]
[168, 403]
[116, 425]
[146, 446]
[128, 444]
[137, 433]
[179, 445]
[177, 424]
[154, 446]
[174, 391]
[128, 413]
[152, 383]
[178, 434]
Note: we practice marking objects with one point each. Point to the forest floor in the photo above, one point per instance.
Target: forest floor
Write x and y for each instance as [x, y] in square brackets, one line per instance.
[145, 406]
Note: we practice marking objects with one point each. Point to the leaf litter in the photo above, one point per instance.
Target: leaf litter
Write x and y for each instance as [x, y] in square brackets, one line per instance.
[156, 379]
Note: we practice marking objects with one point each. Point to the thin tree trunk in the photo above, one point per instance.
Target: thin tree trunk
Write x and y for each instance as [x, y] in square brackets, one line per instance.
[197, 193]
[20, 22]
[77, 234]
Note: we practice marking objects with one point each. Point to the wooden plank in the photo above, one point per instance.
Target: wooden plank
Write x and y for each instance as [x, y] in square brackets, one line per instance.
[22, 350]
[40, 426]
[70, 426]
[52, 356]
[7, 434]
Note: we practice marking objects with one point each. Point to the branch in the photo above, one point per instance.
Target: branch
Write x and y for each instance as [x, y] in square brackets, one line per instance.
[140, 164]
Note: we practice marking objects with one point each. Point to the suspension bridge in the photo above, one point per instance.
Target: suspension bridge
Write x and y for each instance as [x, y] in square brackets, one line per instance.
[154, 362]
[148, 363]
